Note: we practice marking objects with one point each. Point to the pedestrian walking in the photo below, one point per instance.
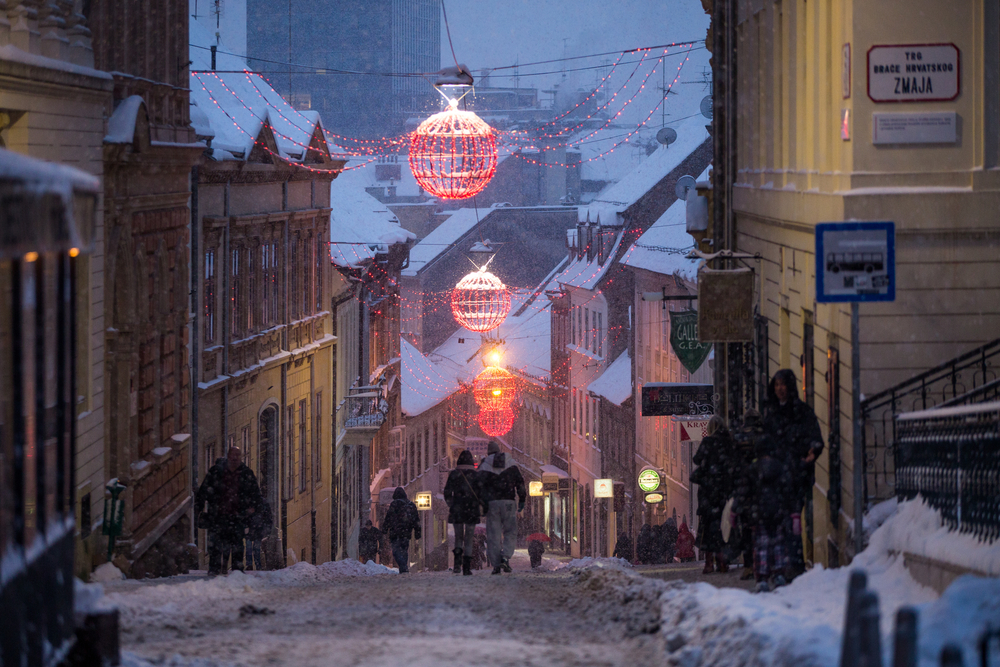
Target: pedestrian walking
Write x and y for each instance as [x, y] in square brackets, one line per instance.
[232, 496]
[685, 543]
[794, 426]
[535, 550]
[623, 547]
[369, 542]
[464, 494]
[504, 484]
[744, 443]
[644, 545]
[401, 520]
[669, 536]
[772, 497]
[712, 473]
[259, 529]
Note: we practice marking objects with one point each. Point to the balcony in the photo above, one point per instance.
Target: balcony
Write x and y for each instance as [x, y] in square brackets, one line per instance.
[365, 413]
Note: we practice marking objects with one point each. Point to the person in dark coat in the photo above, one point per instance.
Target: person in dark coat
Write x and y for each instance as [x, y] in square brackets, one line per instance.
[656, 545]
[644, 545]
[744, 441]
[712, 474]
[535, 550]
[401, 519]
[369, 539]
[503, 482]
[793, 425]
[685, 543]
[258, 529]
[464, 494]
[233, 496]
[623, 547]
[772, 497]
[669, 537]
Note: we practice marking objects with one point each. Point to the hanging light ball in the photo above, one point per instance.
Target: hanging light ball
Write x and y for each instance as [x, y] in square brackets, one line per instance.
[453, 154]
[480, 301]
[496, 422]
[494, 388]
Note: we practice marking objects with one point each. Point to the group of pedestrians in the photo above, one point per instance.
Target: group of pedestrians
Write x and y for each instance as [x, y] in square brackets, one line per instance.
[767, 468]
[232, 509]
[496, 489]
[659, 544]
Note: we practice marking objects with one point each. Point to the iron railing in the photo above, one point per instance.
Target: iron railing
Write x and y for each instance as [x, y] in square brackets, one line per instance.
[968, 378]
[951, 458]
[365, 409]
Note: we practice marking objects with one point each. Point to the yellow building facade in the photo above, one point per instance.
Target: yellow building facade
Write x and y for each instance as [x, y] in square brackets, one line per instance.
[809, 94]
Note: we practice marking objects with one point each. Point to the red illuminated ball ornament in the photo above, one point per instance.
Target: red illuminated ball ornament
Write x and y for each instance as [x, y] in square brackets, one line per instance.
[496, 422]
[480, 301]
[453, 154]
[494, 388]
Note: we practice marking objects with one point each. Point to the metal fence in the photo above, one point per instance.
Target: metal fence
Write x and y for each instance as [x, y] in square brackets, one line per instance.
[365, 409]
[973, 377]
[951, 457]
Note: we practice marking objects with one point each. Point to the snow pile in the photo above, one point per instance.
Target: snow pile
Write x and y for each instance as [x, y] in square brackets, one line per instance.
[917, 528]
[88, 598]
[878, 515]
[589, 563]
[176, 660]
[106, 573]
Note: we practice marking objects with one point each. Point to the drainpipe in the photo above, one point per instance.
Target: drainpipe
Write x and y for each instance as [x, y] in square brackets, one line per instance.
[195, 340]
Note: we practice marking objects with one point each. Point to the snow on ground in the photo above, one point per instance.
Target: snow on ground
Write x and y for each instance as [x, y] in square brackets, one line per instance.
[105, 573]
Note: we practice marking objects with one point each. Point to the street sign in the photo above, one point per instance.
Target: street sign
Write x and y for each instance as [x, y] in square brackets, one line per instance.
[662, 399]
[913, 73]
[550, 481]
[684, 340]
[535, 489]
[856, 261]
[604, 488]
[725, 305]
[649, 480]
[654, 498]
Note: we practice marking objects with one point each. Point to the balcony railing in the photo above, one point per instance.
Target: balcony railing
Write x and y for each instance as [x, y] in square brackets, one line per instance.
[970, 378]
[366, 410]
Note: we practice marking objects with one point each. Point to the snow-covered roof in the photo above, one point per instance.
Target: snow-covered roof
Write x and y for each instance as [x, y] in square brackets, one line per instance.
[586, 274]
[360, 226]
[430, 379]
[662, 247]
[615, 383]
[235, 106]
[443, 236]
[607, 207]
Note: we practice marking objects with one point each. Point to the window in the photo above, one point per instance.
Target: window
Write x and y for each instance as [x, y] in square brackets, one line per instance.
[246, 446]
[302, 445]
[600, 334]
[317, 437]
[808, 356]
[572, 327]
[320, 254]
[265, 277]
[275, 284]
[574, 411]
[586, 328]
[307, 276]
[210, 455]
[579, 326]
[234, 293]
[586, 422]
[289, 450]
[251, 291]
[210, 296]
[293, 277]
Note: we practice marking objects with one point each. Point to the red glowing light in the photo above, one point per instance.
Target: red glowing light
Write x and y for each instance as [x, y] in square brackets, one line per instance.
[494, 388]
[453, 154]
[480, 301]
[496, 422]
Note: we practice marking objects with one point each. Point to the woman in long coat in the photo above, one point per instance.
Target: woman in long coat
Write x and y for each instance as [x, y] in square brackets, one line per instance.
[464, 494]
[713, 475]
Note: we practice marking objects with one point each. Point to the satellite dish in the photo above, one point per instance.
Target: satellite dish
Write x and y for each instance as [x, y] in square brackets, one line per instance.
[706, 107]
[666, 135]
[684, 183]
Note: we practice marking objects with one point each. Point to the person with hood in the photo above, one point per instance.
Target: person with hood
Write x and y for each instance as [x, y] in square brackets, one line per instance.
[712, 474]
[685, 543]
[669, 537]
[401, 519]
[233, 496]
[745, 440]
[464, 494]
[644, 545]
[369, 539]
[503, 483]
[794, 426]
[623, 547]
[772, 473]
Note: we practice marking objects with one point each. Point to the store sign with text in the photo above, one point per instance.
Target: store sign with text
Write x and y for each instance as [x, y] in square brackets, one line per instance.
[684, 340]
[725, 305]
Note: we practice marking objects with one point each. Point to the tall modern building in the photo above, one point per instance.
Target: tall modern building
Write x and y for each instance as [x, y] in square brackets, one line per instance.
[305, 47]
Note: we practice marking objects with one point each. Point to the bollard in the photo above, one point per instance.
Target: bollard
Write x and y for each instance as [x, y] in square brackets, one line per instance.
[951, 656]
[905, 642]
[851, 641]
[870, 654]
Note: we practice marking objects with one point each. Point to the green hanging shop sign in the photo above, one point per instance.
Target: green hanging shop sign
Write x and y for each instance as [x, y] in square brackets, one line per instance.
[684, 340]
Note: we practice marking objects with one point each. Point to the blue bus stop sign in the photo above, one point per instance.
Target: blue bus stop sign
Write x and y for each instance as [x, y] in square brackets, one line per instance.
[855, 261]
